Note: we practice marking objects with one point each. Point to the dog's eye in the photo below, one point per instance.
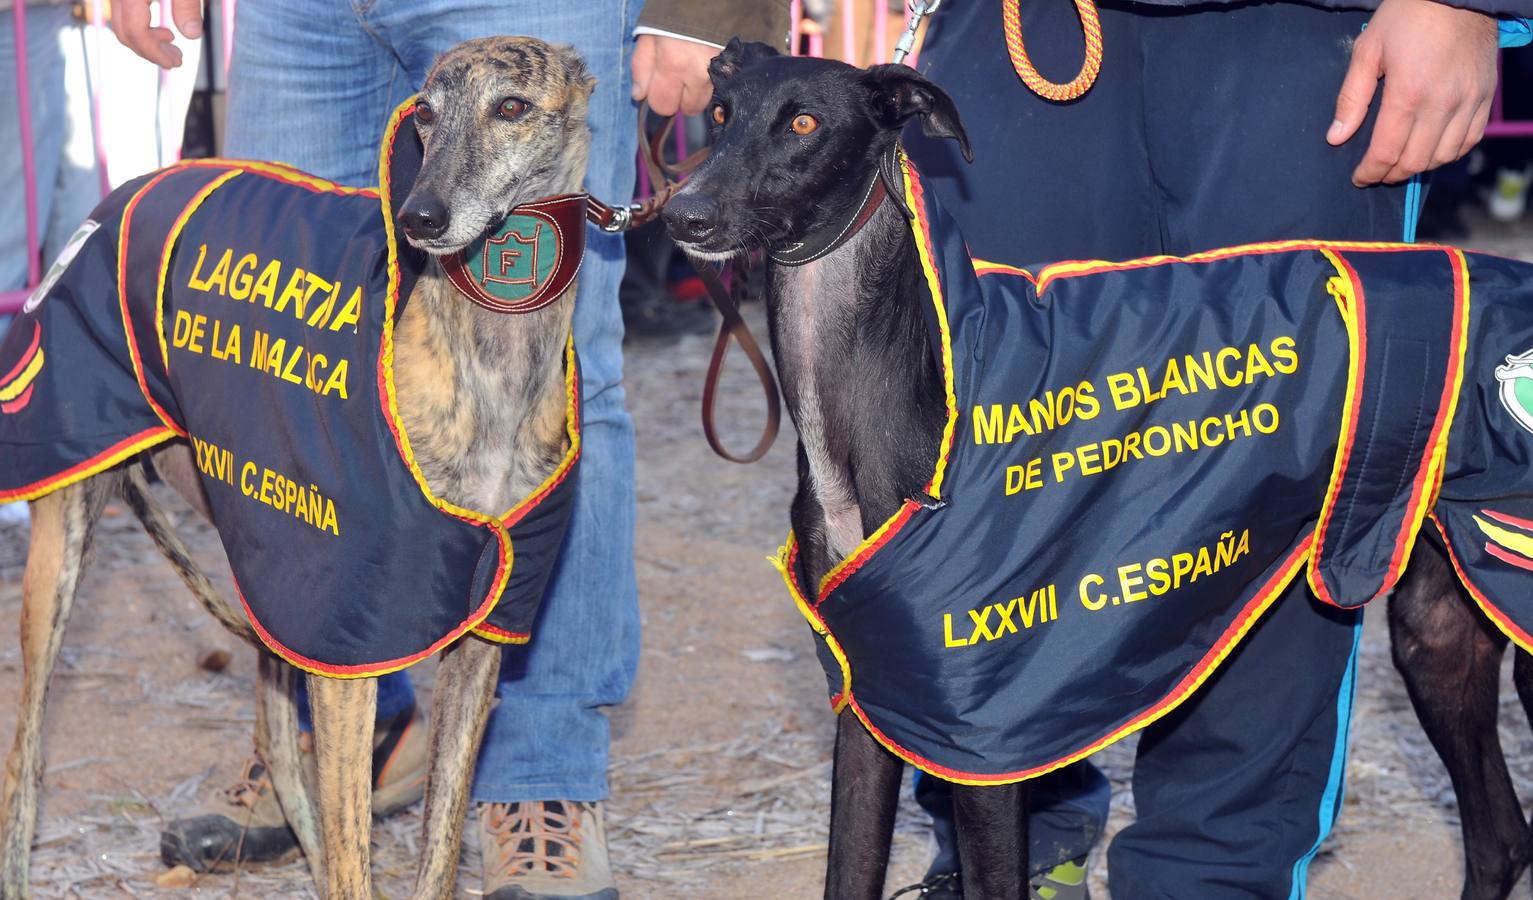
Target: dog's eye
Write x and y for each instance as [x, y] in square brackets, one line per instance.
[512, 108]
[424, 115]
[804, 123]
[717, 114]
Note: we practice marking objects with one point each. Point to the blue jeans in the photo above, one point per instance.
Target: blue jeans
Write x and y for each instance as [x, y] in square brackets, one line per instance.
[312, 83]
[66, 189]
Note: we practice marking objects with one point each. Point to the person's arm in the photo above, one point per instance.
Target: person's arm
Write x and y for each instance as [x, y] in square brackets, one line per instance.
[1438, 67]
[677, 38]
[130, 22]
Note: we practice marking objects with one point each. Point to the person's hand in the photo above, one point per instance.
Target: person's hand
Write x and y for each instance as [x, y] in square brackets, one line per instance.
[672, 74]
[130, 22]
[1439, 69]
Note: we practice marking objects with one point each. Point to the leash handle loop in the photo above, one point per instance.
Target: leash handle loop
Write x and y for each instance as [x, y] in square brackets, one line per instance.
[733, 326]
[1091, 29]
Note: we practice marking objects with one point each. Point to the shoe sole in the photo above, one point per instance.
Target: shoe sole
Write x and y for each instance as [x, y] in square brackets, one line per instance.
[387, 801]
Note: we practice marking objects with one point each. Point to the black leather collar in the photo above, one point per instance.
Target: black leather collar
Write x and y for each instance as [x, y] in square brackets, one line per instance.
[886, 181]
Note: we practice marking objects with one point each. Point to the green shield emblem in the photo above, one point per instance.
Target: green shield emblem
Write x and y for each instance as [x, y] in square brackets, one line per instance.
[1516, 379]
[518, 260]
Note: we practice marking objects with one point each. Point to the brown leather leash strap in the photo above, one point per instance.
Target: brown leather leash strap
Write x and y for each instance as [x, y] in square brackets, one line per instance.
[733, 326]
[665, 178]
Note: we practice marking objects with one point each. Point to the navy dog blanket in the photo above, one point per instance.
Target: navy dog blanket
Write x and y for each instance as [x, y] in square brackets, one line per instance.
[1139, 457]
[249, 309]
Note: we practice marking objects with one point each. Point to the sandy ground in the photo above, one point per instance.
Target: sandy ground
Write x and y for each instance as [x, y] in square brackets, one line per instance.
[720, 758]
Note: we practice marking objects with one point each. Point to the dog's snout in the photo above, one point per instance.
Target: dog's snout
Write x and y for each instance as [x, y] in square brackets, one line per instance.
[424, 216]
[691, 218]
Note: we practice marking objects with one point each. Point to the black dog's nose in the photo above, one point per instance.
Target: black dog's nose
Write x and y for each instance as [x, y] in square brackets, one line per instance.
[424, 217]
[691, 217]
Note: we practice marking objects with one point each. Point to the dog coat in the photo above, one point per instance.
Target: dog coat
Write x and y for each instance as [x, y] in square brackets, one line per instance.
[249, 309]
[1139, 457]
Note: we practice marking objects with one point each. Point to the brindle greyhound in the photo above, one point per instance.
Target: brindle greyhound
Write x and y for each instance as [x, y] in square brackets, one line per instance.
[482, 395]
[846, 324]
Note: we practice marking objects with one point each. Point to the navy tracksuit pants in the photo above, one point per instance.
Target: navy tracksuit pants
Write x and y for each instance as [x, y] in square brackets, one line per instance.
[1206, 128]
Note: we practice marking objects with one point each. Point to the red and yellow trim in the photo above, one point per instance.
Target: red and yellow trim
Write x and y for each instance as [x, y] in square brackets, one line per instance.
[384, 667]
[914, 194]
[528, 503]
[1502, 621]
[1348, 290]
[283, 172]
[1077, 268]
[95, 465]
[122, 299]
[984, 267]
[16, 385]
[169, 250]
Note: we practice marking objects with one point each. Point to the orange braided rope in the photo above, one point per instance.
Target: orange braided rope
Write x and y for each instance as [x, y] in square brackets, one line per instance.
[1091, 27]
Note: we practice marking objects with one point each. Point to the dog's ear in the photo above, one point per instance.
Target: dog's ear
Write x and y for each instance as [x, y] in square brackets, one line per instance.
[575, 72]
[736, 55]
[897, 92]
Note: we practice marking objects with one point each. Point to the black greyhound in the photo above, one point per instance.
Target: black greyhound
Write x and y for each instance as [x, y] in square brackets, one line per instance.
[845, 330]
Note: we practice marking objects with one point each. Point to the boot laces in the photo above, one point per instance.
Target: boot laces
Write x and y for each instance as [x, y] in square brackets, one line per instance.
[536, 837]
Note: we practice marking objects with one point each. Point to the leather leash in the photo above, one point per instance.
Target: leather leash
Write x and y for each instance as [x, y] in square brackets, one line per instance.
[666, 179]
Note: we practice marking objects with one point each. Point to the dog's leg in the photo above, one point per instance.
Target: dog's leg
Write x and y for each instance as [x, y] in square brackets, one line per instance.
[992, 840]
[343, 711]
[155, 521]
[865, 791]
[61, 526]
[465, 688]
[277, 741]
[1450, 659]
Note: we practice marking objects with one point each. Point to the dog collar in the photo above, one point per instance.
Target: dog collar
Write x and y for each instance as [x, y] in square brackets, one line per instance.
[885, 181]
[528, 261]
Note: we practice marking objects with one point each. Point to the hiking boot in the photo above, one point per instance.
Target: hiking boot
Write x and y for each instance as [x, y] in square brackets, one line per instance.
[243, 824]
[545, 849]
[1066, 881]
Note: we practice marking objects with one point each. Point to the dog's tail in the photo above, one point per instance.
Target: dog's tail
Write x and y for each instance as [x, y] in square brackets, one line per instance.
[135, 490]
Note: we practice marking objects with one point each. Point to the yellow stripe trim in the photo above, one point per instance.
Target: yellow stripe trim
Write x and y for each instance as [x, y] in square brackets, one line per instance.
[1344, 292]
[1510, 540]
[1285, 578]
[571, 427]
[780, 563]
[170, 245]
[21, 382]
[1093, 266]
[1434, 473]
[101, 465]
[944, 450]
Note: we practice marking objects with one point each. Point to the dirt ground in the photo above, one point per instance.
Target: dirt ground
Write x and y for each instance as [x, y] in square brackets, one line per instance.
[720, 758]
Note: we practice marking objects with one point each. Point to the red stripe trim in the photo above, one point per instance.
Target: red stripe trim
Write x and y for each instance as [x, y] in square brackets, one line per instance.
[501, 635]
[383, 667]
[1505, 519]
[280, 172]
[1184, 688]
[1343, 463]
[1424, 485]
[1052, 272]
[1509, 557]
[19, 403]
[106, 458]
[37, 340]
[1501, 620]
[984, 267]
[857, 560]
[122, 297]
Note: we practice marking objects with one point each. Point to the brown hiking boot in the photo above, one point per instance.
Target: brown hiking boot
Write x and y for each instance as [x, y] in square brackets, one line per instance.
[243, 824]
[545, 849]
